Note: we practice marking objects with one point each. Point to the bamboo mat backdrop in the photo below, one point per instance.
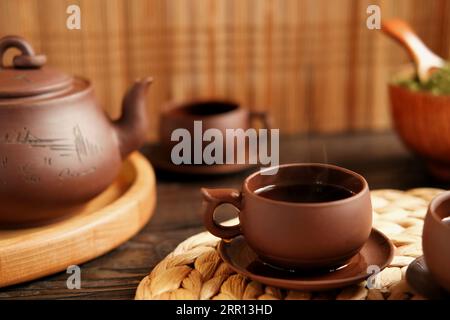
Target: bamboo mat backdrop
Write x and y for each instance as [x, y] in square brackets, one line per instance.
[313, 64]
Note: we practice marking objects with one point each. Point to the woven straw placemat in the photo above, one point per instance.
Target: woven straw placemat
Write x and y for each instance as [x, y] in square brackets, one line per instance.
[194, 270]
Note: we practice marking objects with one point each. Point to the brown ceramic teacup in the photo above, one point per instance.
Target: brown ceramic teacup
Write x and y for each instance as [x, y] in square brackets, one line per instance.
[213, 114]
[291, 234]
[436, 239]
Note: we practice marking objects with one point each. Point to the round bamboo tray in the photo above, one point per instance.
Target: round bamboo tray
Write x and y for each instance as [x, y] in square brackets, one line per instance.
[106, 222]
[194, 270]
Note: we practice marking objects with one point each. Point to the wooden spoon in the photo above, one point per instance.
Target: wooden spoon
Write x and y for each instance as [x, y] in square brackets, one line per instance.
[426, 61]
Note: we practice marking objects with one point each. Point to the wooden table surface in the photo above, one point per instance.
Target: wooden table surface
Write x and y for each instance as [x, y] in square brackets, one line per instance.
[380, 157]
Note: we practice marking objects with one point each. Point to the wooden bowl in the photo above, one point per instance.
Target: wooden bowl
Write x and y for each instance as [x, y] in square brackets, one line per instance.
[423, 122]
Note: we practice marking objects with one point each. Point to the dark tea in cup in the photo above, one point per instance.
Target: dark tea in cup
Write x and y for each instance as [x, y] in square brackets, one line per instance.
[314, 192]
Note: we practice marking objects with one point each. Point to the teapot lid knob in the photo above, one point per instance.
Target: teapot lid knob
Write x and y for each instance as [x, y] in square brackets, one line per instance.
[27, 76]
[27, 59]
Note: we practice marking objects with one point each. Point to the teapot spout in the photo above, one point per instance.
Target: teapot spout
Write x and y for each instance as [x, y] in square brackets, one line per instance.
[131, 127]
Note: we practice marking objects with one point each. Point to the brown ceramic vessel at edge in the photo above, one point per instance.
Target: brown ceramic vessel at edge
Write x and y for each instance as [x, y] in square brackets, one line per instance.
[58, 149]
[297, 235]
[422, 119]
[436, 240]
[213, 113]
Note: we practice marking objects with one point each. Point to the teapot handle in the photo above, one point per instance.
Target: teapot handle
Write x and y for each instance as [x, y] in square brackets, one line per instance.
[27, 59]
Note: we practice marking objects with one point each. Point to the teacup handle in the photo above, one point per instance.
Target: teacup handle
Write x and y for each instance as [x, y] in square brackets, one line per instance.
[214, 198]
[262, 116]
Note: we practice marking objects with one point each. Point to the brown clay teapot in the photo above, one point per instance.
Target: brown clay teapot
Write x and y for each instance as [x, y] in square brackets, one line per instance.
[58, 149]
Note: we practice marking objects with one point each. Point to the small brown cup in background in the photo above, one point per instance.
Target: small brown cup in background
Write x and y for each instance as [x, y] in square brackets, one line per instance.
[214, 114]
[297, 235]
[422, 121]
[436, 239]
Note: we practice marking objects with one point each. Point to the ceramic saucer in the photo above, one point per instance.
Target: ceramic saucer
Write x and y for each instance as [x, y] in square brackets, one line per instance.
[160, 161]
[420, 279]
[378, 250]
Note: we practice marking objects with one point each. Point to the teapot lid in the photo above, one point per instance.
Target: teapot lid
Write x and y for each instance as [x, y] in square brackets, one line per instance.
[28, 76]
